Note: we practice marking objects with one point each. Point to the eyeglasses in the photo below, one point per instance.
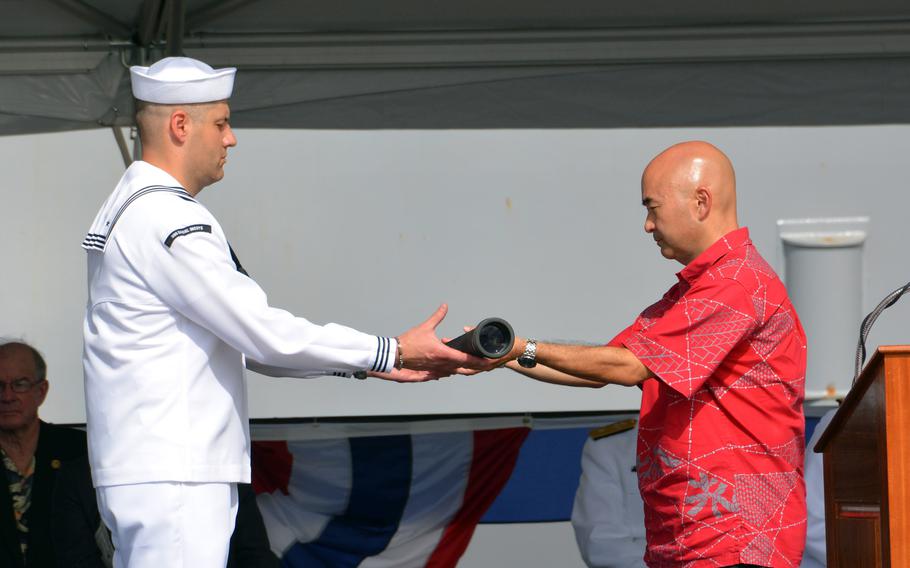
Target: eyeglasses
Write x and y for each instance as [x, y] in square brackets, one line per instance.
[19, 385]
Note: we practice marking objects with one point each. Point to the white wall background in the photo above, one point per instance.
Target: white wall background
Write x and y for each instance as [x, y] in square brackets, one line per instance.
[529, 545]
[374, 229]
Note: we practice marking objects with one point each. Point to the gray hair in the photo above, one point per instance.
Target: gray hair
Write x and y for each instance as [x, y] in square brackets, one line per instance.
[40, 365]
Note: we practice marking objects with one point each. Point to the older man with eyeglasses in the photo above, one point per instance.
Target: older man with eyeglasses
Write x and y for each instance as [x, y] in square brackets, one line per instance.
[31, 454]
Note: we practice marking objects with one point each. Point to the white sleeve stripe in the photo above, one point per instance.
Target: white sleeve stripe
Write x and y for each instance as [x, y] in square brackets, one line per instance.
[381, 360]
[376, 359]
[385, 353]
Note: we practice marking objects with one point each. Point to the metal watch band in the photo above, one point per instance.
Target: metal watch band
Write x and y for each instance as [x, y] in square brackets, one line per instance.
[528, 358]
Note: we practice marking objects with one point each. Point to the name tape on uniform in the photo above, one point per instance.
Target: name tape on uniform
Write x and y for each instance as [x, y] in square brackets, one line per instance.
[186, 231]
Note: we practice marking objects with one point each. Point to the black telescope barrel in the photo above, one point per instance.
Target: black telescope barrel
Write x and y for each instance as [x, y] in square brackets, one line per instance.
[492, 338]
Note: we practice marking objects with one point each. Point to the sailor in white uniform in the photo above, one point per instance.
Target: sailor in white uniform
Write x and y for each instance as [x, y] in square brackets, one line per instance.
[170, 322]
[608, 515]
[815, 555]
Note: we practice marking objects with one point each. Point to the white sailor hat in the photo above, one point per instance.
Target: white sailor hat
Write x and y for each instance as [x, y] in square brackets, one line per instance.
[181, 80]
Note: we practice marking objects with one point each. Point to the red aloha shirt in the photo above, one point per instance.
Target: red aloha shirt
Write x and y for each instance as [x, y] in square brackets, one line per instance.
[721, 435]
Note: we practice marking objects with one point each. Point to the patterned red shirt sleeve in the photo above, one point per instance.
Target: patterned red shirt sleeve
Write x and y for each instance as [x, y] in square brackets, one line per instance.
[684, 342]
[621, 337]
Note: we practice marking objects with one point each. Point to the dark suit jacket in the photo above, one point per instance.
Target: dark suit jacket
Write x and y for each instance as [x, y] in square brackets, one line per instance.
[55, 446]
[250, 542]
[76, 519]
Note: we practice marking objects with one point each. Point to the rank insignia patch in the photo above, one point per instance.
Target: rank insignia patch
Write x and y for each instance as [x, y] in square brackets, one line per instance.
[614, 428]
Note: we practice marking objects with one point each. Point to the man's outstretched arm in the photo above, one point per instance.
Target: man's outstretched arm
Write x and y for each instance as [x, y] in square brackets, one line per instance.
[547, 375]
[589, 366]
[597, 363]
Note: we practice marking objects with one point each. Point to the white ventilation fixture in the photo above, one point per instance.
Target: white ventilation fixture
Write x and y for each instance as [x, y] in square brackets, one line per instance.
[823, 271]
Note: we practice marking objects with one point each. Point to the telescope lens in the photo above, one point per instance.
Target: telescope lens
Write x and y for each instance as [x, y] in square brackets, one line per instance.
[494, 338]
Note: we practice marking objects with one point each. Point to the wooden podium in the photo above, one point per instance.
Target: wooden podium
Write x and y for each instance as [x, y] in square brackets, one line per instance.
[867, 467]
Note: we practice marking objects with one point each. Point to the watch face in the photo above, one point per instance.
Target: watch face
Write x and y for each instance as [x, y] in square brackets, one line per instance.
[527, 362]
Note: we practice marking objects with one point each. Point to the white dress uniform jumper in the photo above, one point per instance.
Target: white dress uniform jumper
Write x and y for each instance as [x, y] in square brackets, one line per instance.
[169, 325]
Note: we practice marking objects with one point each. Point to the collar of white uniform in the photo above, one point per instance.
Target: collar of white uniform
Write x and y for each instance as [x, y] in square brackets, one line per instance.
[141, 178]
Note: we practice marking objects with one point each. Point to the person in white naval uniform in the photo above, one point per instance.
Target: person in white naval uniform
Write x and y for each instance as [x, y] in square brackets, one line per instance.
[815, 555]
[608, 513]
[172, 319]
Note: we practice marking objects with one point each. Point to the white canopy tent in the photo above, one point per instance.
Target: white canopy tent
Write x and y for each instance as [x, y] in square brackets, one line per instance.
[362, 64]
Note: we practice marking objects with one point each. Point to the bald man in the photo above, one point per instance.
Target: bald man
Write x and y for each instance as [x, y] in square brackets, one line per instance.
[721, 361]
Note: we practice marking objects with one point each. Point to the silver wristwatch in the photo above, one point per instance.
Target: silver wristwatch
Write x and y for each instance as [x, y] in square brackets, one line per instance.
[528, 359]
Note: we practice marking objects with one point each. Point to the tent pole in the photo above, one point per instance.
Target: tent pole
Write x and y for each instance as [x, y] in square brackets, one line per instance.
[175, 25]
[121, 143]
[148, 22]
[137, 143]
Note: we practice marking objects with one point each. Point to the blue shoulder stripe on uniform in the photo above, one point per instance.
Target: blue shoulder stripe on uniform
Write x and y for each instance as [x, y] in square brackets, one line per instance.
[93, 241]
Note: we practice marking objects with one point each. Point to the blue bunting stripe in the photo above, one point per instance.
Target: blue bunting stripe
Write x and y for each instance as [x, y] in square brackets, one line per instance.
[380, 485]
